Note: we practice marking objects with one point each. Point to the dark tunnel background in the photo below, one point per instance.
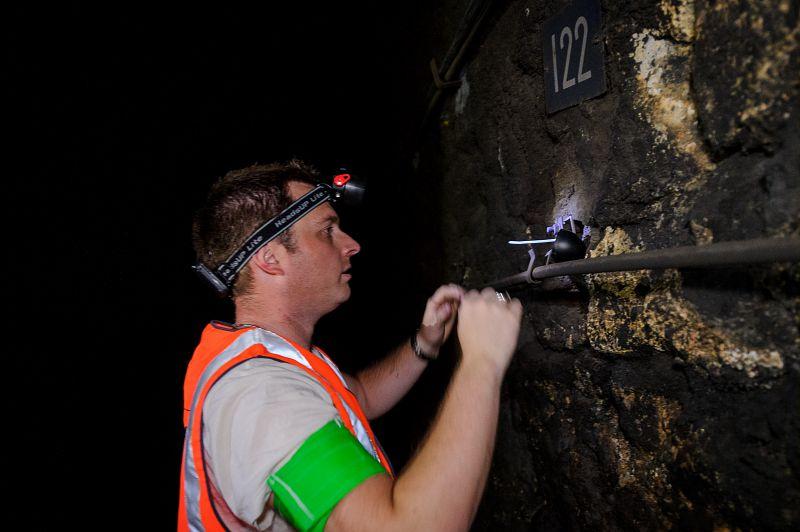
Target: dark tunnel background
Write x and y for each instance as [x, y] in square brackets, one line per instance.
[123, 117]
[641, 400]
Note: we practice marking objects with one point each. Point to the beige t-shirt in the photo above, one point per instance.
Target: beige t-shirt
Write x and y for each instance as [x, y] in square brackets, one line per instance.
[254, 418]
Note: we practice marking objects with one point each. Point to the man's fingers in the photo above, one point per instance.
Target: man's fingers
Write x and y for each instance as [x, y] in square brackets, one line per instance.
[488, 293]
[448, 292]
[446, 310]
[442, 305]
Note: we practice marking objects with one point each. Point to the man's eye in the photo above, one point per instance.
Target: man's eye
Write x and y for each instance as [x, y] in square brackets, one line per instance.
[329, 230]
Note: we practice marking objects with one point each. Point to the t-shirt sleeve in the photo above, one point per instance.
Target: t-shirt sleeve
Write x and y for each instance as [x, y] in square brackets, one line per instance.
[254, 419]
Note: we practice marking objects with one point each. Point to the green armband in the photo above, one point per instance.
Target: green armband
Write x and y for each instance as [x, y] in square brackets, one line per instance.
[325, 468]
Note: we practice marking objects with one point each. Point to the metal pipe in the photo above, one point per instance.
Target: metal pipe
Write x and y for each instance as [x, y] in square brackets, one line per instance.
[511, 281]
[721, 254]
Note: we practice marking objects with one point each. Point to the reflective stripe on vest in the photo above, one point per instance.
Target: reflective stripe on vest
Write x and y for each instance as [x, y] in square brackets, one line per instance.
[196, 509]
[360, 432]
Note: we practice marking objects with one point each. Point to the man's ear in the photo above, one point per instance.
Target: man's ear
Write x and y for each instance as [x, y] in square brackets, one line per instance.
[266, 261]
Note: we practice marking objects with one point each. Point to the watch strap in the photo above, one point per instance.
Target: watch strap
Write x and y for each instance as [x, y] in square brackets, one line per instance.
[418, 350]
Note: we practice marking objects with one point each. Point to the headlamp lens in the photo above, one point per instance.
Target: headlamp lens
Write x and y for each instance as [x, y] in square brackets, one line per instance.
[349, 189]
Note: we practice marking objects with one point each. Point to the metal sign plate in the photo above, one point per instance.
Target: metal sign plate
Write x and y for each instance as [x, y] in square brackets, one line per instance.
[572, 46]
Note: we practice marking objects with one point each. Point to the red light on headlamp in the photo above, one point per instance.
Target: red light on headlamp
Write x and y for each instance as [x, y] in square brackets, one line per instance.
[341, 179]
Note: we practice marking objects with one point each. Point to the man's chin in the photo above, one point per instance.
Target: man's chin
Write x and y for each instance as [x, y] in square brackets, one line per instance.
[344, 296]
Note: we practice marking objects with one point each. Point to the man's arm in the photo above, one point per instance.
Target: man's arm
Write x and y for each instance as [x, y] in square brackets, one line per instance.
[442, 485]
[380, 386]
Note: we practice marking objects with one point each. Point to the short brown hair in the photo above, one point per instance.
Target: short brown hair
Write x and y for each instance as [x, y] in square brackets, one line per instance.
[238, 204]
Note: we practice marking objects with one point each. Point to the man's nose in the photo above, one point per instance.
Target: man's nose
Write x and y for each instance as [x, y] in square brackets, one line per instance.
[351, 247]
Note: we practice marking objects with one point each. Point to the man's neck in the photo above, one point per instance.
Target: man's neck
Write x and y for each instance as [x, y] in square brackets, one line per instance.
[293, 328]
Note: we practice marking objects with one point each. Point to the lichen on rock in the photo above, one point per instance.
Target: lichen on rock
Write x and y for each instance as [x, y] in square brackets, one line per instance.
[664, 94]
[680, 19]
[635, 313]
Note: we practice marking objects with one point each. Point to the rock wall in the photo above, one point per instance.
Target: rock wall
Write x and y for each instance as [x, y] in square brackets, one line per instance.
[652, 399]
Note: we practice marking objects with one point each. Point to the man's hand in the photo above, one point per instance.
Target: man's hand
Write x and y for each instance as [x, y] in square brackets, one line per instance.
[439, 317]
[488, 329]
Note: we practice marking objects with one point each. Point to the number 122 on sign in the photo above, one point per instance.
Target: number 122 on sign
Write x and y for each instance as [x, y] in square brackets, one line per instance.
[566, 32]
[573, 55]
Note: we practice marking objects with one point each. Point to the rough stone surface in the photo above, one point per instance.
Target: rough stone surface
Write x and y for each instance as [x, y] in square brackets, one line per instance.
[652, 399]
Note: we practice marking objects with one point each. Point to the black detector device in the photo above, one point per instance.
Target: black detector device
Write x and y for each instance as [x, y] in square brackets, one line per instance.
[568, 246]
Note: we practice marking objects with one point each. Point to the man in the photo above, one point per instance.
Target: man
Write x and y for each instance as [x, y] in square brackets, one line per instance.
[277, 437]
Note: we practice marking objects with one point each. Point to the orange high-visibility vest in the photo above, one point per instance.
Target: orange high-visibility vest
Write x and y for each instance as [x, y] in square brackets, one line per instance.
[222, 347]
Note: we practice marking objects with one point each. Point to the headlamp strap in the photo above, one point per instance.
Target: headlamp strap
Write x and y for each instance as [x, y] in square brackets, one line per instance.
[227, 271]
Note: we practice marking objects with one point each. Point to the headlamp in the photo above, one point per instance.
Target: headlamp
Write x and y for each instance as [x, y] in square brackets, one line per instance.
[344, 187]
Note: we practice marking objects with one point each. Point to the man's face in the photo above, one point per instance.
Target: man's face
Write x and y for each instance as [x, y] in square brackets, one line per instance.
[323, 251]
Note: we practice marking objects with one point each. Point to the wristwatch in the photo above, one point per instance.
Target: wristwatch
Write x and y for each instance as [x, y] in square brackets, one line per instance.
[418, 351]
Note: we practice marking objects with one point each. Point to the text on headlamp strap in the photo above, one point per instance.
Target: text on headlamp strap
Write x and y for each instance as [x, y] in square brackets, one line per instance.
[270, 230]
